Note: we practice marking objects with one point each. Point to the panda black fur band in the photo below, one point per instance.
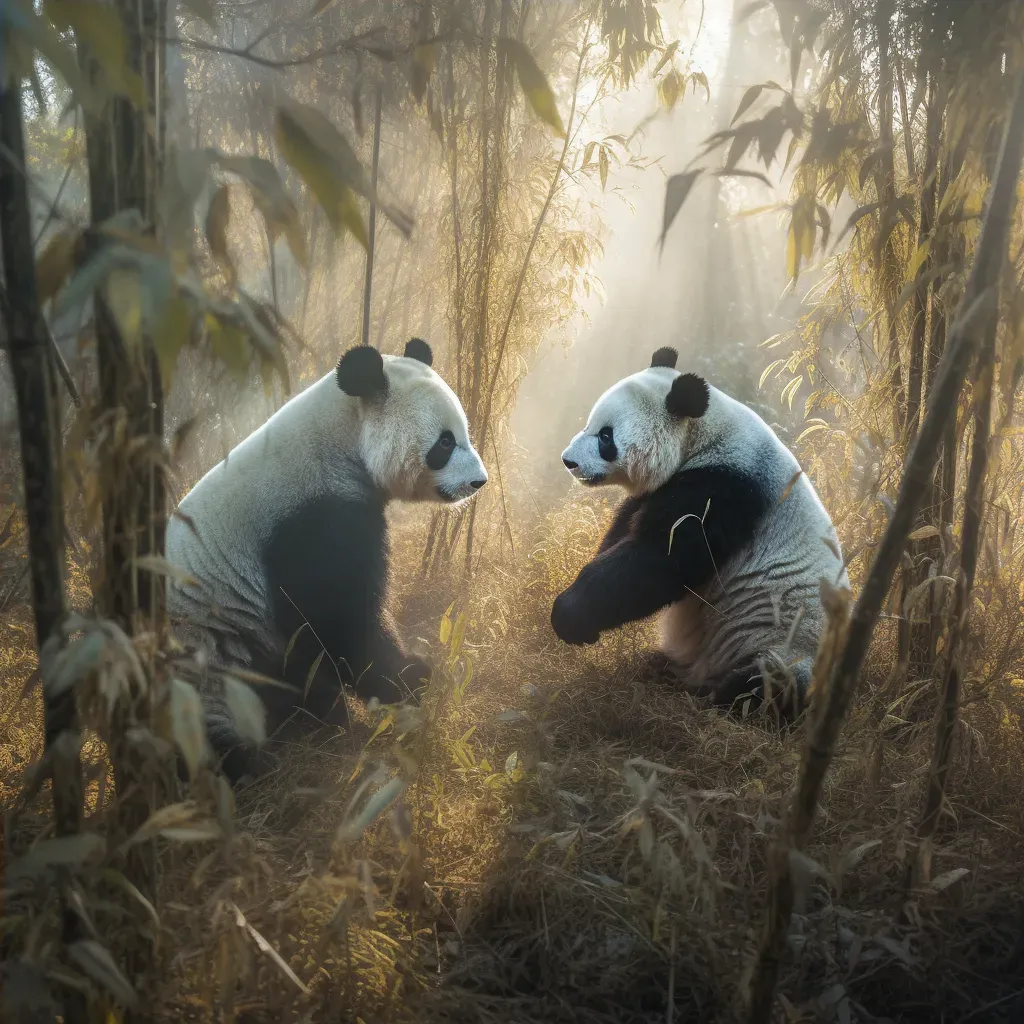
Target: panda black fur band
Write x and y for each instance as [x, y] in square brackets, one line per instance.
[288, 540]
[720, 532]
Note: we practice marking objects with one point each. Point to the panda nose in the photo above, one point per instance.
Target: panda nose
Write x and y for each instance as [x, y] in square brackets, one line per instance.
[569, 464]
[477, 484]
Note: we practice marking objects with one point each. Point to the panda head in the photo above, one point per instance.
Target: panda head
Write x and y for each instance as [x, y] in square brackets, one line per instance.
[641, 429]
[413, 433]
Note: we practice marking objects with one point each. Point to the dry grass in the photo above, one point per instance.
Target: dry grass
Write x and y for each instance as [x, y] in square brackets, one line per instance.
[579, 842]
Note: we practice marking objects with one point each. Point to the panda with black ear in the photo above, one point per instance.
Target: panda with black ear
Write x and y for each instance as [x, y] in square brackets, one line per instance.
[287, 538]
[718, 532]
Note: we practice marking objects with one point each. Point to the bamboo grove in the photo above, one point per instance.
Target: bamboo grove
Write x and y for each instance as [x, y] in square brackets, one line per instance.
[193, 190]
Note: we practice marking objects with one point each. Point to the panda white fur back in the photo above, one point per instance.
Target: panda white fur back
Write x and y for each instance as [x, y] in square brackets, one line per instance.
[287, 536]
[739, 588]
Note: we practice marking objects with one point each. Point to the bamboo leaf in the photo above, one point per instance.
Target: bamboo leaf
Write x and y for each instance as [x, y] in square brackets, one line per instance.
[671, 88]
[792, 250]
[217, 219]
[171, 333]
[445, 631]
[294, 639]
[326, 161]
[670, 52]
[73, 663]
[56, 262]
[602, 159]
[790, 390]
[311, 675]
[534, 84]
[160, 566]
[168, 816]
[768, 369]
[246, 709]
[188, 725]
[351, 830]
[676, 191]
[813, 429]
[947, 878]
[747, 102]
[855, 218]
[919, 257]
[94, 960]
[64, 851]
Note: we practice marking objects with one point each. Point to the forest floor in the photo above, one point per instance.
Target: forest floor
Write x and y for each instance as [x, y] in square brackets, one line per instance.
[581, 843]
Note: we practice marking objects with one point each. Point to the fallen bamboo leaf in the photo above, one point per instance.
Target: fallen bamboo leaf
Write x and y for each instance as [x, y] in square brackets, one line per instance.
[268, 949]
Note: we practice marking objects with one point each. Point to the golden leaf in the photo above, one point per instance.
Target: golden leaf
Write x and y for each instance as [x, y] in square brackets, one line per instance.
[55, 263]
[670, 88]
[790, 390]
[792, 251]
[919, 257]
[768, 370]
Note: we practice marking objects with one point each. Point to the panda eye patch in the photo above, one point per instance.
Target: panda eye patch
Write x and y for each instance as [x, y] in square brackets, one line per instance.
[441, 451]
[606, 444]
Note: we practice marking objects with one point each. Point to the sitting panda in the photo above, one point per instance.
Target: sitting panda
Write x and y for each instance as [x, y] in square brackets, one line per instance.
[287, 539]
[718, 529]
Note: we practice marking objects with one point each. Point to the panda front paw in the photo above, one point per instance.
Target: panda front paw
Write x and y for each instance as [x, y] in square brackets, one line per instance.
[569, 626]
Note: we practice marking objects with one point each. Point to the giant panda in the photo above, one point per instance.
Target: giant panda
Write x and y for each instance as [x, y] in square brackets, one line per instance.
[719, 531]
[286, 543]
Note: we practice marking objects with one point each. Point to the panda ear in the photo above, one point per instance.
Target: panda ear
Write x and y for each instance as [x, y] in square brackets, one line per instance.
[419, 350]
[360, 373]
[665, 357]
[688, 397]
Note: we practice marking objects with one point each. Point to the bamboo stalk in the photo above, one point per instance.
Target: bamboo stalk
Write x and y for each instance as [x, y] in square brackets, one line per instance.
[372, 232]
[39, 427]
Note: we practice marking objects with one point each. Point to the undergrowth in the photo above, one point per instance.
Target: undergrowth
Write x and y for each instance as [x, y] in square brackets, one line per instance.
[568, 839]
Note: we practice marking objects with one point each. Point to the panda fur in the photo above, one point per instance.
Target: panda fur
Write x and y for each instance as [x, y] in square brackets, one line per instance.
[739, 588]
[287, 538]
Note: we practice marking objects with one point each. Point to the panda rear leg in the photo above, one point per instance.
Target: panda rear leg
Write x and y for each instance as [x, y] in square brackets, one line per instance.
[787, 692]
